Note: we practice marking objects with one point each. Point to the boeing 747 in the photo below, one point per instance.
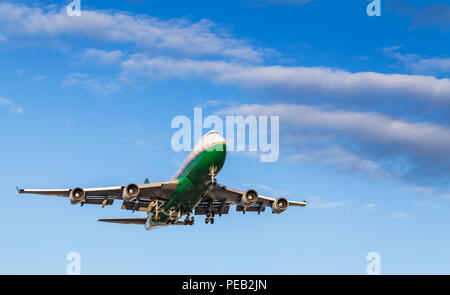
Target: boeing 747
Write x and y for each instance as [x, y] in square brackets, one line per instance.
[192, 191]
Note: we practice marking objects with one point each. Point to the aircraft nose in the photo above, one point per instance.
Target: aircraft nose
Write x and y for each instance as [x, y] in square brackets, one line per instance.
[220, 137]
[215, 136]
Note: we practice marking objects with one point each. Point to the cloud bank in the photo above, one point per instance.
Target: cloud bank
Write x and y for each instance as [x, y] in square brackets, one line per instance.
[365, 141]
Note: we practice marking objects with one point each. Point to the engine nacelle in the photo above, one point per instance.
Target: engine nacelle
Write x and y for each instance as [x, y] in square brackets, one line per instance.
[249, 198]
[131, 191]
[77, 195]
[279, 205]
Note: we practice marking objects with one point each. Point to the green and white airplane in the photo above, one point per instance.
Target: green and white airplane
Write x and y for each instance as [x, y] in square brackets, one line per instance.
[193, 190]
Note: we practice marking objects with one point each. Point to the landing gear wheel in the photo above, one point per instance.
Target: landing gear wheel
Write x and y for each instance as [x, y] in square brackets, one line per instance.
[191, 222]
[212, 220]
[207, 220]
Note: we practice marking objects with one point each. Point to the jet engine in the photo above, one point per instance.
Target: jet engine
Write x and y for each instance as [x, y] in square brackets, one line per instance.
[77, 195]
[279, 205]
[131, 191]
[249, 198]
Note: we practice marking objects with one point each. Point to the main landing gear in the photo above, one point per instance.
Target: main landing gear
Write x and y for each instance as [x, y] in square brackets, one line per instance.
[189, 220]
[209, 219]
[173, 215]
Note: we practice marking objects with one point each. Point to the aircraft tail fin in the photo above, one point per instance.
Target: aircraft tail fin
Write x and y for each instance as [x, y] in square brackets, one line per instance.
[146, 180]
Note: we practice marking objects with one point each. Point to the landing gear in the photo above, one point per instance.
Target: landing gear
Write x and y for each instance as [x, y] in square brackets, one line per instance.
[189, 220]
[156, 207]
[209, 219]
[212, 173]
[209, 213]
[173, 215]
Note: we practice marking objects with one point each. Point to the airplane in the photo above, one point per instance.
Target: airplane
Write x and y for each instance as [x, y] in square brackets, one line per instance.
[193, 190]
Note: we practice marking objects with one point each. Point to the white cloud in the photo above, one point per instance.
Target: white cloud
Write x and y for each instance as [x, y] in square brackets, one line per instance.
[425, 139]
[341, 159]
[370, 207]
[432, 65]
[410, 150]
[418, 64]
[318, 202]
[148, 33]
[299, 80]
[399, 215]
[101, 57]
[100, 85]
[421, 189]
[12, 106]
[164, 67]
[339, 83]
[175, 44]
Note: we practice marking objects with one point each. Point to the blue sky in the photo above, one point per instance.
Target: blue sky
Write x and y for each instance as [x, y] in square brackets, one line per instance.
[364, 132]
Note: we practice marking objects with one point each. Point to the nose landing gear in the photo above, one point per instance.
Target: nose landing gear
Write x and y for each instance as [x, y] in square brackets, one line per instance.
[212, 173]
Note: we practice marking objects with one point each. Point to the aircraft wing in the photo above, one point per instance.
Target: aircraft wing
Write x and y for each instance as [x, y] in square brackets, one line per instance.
[221, 197]
[106, 195]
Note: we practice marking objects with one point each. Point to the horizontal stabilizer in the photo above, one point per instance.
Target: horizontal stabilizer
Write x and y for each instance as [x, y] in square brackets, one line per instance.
[125, 220]
[141, 221]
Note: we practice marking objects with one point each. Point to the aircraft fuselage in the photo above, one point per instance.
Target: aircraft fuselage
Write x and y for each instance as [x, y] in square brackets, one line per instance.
[194, 176]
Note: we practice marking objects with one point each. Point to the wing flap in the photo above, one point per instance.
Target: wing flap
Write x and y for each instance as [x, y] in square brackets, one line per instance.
[251, 208]
[141, 205]
[216, 208]
[99, 201]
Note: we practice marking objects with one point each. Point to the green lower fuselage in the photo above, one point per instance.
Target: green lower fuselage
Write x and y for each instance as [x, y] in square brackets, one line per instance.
[194, 180]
